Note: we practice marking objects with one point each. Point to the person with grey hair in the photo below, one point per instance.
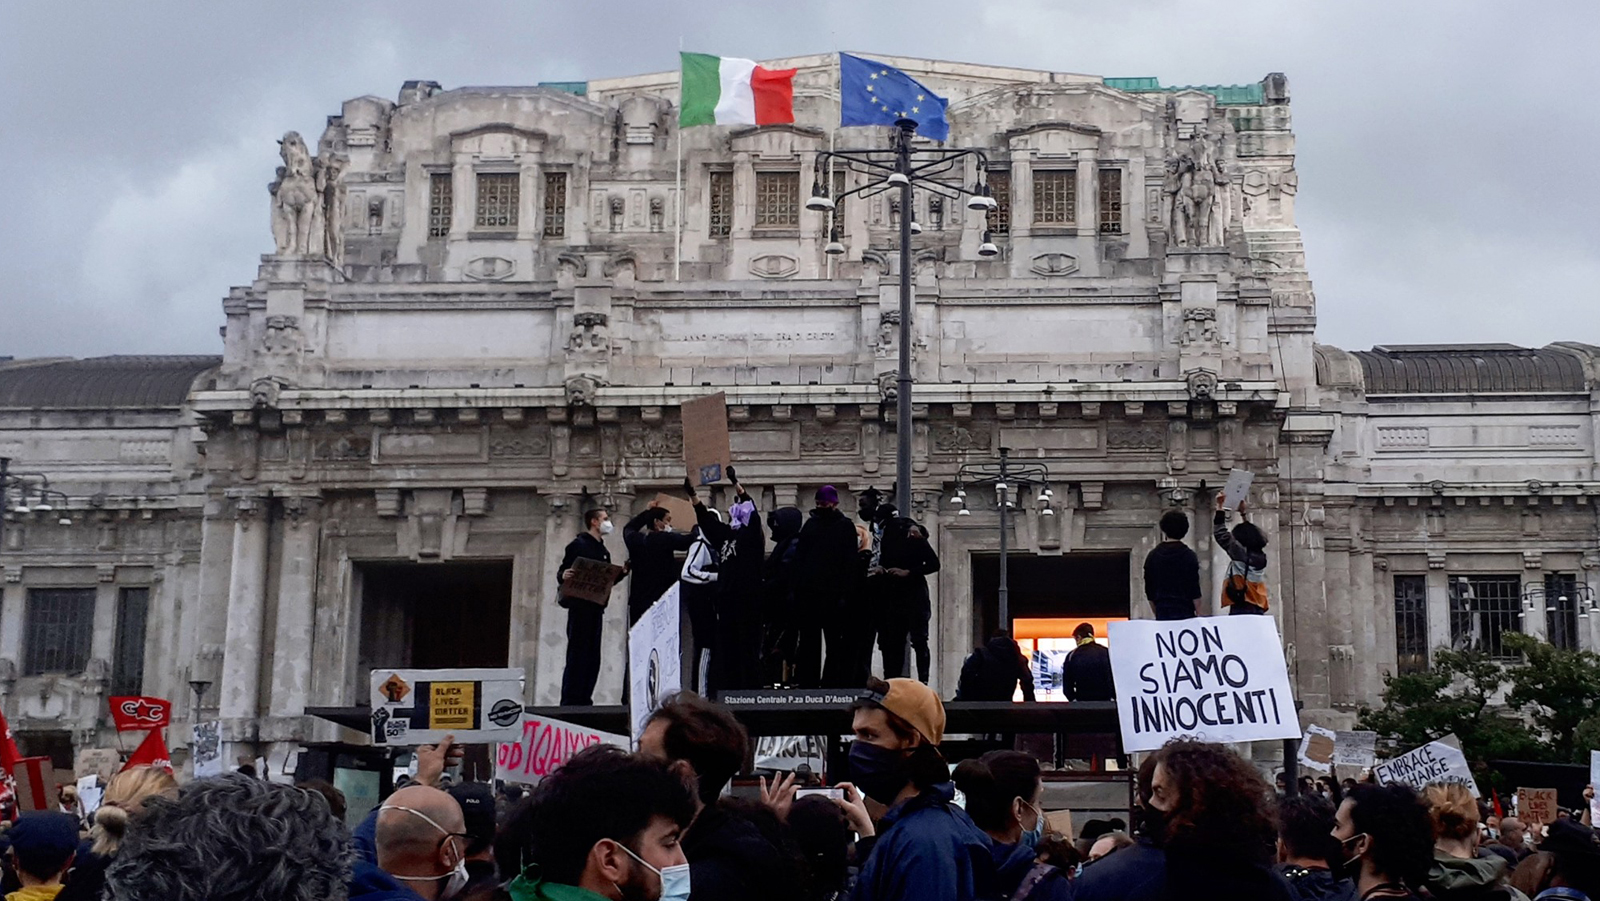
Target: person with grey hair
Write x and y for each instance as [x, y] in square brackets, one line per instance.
[233, 837]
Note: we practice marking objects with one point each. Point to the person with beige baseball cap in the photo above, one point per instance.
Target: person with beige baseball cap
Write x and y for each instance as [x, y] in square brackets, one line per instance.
[927, 848]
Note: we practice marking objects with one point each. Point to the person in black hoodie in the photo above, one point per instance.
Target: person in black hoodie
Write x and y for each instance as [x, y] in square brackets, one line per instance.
[825, 571]
[584, 619]
[652, 546]
[904, 566]
[1086, 674]
[736, 649]
[728, 856]
[992, 672]
[780, 625]
[1172, 571]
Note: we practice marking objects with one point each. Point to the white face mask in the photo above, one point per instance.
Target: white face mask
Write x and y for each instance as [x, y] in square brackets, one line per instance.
[457, 877]
[606, 527]
[674, 880]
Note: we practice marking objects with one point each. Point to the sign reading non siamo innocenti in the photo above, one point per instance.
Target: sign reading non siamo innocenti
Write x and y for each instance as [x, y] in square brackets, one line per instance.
[1217, 678]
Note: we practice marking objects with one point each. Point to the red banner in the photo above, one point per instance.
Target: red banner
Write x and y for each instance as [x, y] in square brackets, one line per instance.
[36, 786]
[137, 714]
[152, 752]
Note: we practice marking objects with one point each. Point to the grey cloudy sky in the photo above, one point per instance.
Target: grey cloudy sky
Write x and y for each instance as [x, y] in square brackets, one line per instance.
[1449, 182]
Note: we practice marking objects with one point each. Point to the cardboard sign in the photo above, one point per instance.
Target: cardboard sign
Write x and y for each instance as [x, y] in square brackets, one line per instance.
[419, 707]
[1217, 678]
[102, 762]
[682, 510]
[1316, 749]
[1434, 763]
[655, 665]
[1237, 488]
[1536, 806]
[545, 745]
[1059, 822]
[205, 748]
[1354, 748]
[705, 438]
[36, 784]
[139, 713]
[591, 580]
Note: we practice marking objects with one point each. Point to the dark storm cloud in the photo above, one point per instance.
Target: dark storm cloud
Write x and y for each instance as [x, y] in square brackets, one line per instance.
[1448, 180]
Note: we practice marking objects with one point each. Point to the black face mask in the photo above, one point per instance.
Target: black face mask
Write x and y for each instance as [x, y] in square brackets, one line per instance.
[1153, 824]
[1348, 864]
[879, 772]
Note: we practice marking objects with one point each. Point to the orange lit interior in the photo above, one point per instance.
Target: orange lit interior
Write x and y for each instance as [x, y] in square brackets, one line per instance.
[1050, 639]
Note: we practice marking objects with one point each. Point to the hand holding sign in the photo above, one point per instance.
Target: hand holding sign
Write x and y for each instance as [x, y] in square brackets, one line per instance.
[1236, 490]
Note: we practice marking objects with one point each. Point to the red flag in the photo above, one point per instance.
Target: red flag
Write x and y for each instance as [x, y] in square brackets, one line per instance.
[1498, 811]
[35, 784]
[152, 752]
[9, 755]
[138, 714]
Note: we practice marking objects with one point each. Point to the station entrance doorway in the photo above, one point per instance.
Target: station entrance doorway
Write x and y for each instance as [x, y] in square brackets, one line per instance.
[434, 615]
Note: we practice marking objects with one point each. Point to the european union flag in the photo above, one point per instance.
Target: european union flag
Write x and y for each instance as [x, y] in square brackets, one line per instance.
[872, 93]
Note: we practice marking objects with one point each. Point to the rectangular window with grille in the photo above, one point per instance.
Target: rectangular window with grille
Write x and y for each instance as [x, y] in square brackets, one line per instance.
[777, 200]
[1482, 610]
[1110, 201]
[555, 204]
[1055, 196]
[1561, 610]
[127, 670]
[498, 196]
[441, 202]
[998, 220]
[60, 630]
[1411, 623]
[721, 207]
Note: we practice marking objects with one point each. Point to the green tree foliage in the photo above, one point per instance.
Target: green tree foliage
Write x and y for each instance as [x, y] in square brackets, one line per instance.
[1559, 692]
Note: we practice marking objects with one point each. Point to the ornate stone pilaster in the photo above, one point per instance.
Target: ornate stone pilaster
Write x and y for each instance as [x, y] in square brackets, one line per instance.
[241, 685]
[294, 635]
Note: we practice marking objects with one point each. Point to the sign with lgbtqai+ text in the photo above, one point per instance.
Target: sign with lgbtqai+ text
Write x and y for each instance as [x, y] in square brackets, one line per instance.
[1218, 678]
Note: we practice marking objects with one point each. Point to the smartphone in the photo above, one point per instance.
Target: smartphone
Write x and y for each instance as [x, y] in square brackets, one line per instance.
[836, 794]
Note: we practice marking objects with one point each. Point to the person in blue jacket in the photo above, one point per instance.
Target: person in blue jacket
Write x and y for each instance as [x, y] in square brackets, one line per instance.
[1004, 792]
[926, 849]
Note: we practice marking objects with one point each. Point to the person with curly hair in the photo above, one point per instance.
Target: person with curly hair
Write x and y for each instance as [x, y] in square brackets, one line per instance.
[1385, 842]
[1221, 823]
[233, 837]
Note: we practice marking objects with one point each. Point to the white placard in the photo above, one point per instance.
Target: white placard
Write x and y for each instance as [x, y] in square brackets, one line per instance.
[205, 748]
[1354, 748]
[420, 706]
[1218, 678]
[1237, 488]
[1594, 783]
[90, 793]
[655, 668]
[1434, 763]
[545, 745]
[1316, 749]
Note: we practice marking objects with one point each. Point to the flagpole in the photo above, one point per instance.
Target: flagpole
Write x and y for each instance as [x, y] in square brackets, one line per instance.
[677, 254]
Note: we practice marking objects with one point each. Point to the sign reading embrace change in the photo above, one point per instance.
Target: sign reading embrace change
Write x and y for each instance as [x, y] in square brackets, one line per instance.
[1218, 678]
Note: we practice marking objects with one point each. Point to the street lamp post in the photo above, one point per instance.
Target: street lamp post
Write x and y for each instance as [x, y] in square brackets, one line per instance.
[26, 484]
[903, 166]
[1009, 479]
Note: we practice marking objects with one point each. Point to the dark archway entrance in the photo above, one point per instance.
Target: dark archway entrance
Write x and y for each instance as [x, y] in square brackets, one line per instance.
[434, 615]
[1081, 585]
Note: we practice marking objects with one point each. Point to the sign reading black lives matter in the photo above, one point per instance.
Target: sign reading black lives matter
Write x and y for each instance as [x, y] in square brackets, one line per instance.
[1219, 678]
[419, 707]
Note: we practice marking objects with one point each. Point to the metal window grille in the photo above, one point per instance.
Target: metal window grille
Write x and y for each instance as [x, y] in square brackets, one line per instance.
[777, 200]
[998, 220]
[555, 204]
[1561, 610]
[127, 670]
[721, 223]
[498, 196]
[60, 630]
[441, 202]
[1411, 623]
[1055, 196]
[1482, 609]
[1110, 201]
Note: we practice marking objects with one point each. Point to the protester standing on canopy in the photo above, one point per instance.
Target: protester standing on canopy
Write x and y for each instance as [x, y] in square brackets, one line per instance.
[824, 574]
[584, 618]
[736, 648]
[652, 549]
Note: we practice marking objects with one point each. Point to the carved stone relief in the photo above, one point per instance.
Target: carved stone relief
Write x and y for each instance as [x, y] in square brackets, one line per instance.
[581, 390]
[774, 266]
[282, 335]
[1196, 186]
[342, 447]
[1199, 326]
[1142, 436]
[529, 443]
[1202, 384]
[662, 441]
[954, 439]
[814, 439]
[1053, 264]
[589, 332]
[489, 269]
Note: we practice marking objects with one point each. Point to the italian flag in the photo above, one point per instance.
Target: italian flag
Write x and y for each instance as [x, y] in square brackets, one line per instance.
[723, 91]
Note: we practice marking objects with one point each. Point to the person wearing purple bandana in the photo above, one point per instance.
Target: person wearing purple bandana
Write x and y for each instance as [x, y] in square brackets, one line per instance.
[740, 544]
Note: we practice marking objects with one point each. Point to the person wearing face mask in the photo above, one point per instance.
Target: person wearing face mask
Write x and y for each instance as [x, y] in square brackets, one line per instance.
[826, 570]
[422, 842]
[1003, 791]
[652, 549]
[584, 618]
[926, 849]
[1385, 842]
[606, 826]
[736, 649]
[1135, 873]
[1306, 848]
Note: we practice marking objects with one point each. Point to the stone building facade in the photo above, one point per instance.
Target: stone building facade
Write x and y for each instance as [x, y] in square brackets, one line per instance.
[477, 323]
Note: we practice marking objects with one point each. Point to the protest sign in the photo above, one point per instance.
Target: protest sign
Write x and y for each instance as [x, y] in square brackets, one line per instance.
[90, 794]
[132, 714]
[102, 762]
[1237, 488]
[705, 438]
[1219, 678]
[1316, 749]
[36, 784]
[1434, 763]
[1594, 783]
[590, 580]
[1536, 806]
[206, 749]
[682, 510]
[655, 664]
[419, 707]
[1354, 748]
[545, 745]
